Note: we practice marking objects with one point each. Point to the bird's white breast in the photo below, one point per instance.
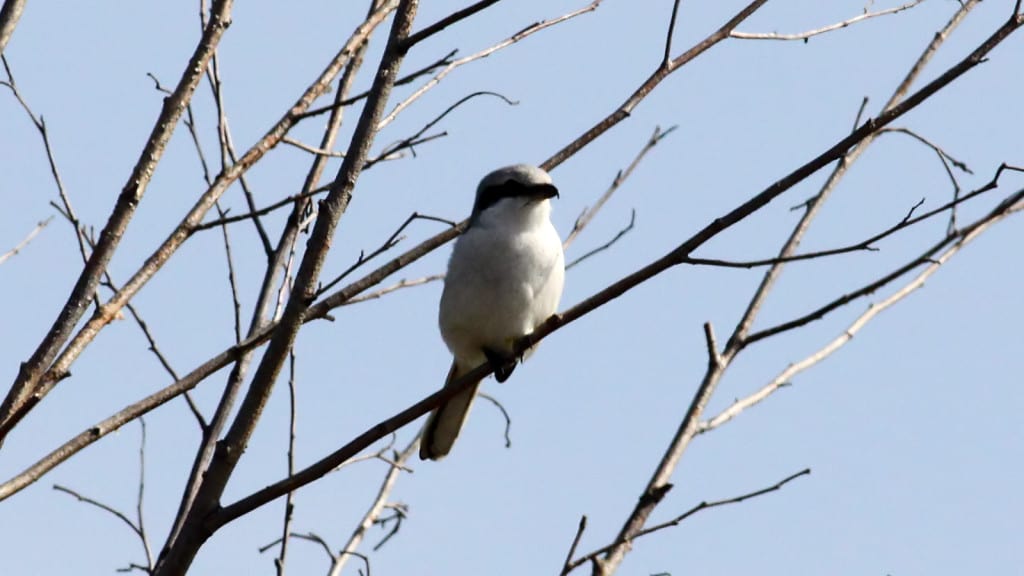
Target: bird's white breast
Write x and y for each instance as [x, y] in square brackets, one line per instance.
[504, 278]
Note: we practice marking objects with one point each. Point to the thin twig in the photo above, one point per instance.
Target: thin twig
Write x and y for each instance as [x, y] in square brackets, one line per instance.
[824, 29]
[141, 496]
[376, 507]
[289, 503]
[403, 283]
[524, 33]
[588, 214]
[287, 201]
[785, 377]
[948, 163]
[445, 22]
[388, 244]
[608, 244]
[575, 544]
[67, 211]
[25, 241]
[504, 414]
[178, 556]
[417, 137]
[867, 244]
[407, 79]
[570, 566]
[311, 149]
[27, 389]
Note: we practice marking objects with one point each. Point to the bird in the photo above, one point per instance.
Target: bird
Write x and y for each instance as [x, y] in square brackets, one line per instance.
[505, 277]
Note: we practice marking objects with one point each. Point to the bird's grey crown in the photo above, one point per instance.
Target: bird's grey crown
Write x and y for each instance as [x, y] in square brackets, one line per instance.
[512, 181]
[525, 174]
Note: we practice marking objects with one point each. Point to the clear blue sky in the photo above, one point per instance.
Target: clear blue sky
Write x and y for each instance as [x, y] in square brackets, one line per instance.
[912, 430]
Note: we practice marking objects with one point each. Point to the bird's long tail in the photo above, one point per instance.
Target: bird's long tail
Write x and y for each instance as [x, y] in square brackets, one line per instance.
[446, 420]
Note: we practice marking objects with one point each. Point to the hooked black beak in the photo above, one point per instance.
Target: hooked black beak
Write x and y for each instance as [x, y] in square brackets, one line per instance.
[544, 191]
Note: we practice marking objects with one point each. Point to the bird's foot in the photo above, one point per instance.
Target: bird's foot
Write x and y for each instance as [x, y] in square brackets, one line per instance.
[503, 365]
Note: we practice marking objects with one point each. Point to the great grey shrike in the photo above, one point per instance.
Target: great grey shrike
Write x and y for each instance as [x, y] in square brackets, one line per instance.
[504, 278]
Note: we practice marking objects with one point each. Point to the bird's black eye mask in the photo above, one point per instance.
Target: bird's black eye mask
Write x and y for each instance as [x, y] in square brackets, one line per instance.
[512, 189]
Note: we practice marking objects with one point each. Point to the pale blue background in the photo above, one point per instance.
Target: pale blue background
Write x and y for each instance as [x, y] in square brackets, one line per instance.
[913, 430]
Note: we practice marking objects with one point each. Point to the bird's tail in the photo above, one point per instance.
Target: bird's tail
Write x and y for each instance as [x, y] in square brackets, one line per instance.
[446, 420]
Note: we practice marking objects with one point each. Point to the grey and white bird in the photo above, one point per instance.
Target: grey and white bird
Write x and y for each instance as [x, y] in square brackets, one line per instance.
[505, 278]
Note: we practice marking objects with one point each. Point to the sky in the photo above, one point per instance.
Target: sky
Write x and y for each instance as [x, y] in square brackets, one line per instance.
[912, 430]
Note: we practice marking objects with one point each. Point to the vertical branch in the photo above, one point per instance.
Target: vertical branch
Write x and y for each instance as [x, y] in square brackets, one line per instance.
[376, 508]
[289, 502]
[124, 209]
[351, 57]
[140, 498]
[736, 341]
[195, 532]
[659, 484]
[718, 363]
[68, 212]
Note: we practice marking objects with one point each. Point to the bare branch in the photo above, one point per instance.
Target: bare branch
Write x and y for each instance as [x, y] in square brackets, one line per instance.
[618, 236]
[445, 22]
[388, 244]
[67, 211]
[376, 508]
[671, 32]
[831, 27]
[27, 384]
[321, 309]
[924, 258]
[141, 496]
[570, 566]
[528, 31]
[907, 221]
[588, 214]
[416, 138]
[662, 72]
[311, 149]
[504, 414]
[289, 503]
[404, 283]
[182, 232]
[289, 200]
[179, 554]
[25, 241]
[947, 162]
[407, 79]
[9, 16]
[839, 171]
[785, 377]
[566, 566]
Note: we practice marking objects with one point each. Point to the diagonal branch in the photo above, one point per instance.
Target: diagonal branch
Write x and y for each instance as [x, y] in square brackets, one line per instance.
[928, 258]
[322, 308]
[28, 382]
[179, 555]
[9, 16]
[525, 32]
[664, 69]
[26, 400]
[25, 241]
[593, 556]
[824, 29]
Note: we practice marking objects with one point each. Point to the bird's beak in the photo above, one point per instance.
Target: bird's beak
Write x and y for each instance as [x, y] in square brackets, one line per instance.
[544, 191]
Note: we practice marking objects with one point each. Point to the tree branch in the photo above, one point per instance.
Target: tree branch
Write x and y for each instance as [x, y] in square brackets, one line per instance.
[27, 384]
[824, 29]
[25, 241]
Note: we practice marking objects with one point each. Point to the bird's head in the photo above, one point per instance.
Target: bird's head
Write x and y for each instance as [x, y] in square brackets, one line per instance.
[514, 189]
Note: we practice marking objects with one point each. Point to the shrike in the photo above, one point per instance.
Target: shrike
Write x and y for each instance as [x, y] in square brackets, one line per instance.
[504, 278]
